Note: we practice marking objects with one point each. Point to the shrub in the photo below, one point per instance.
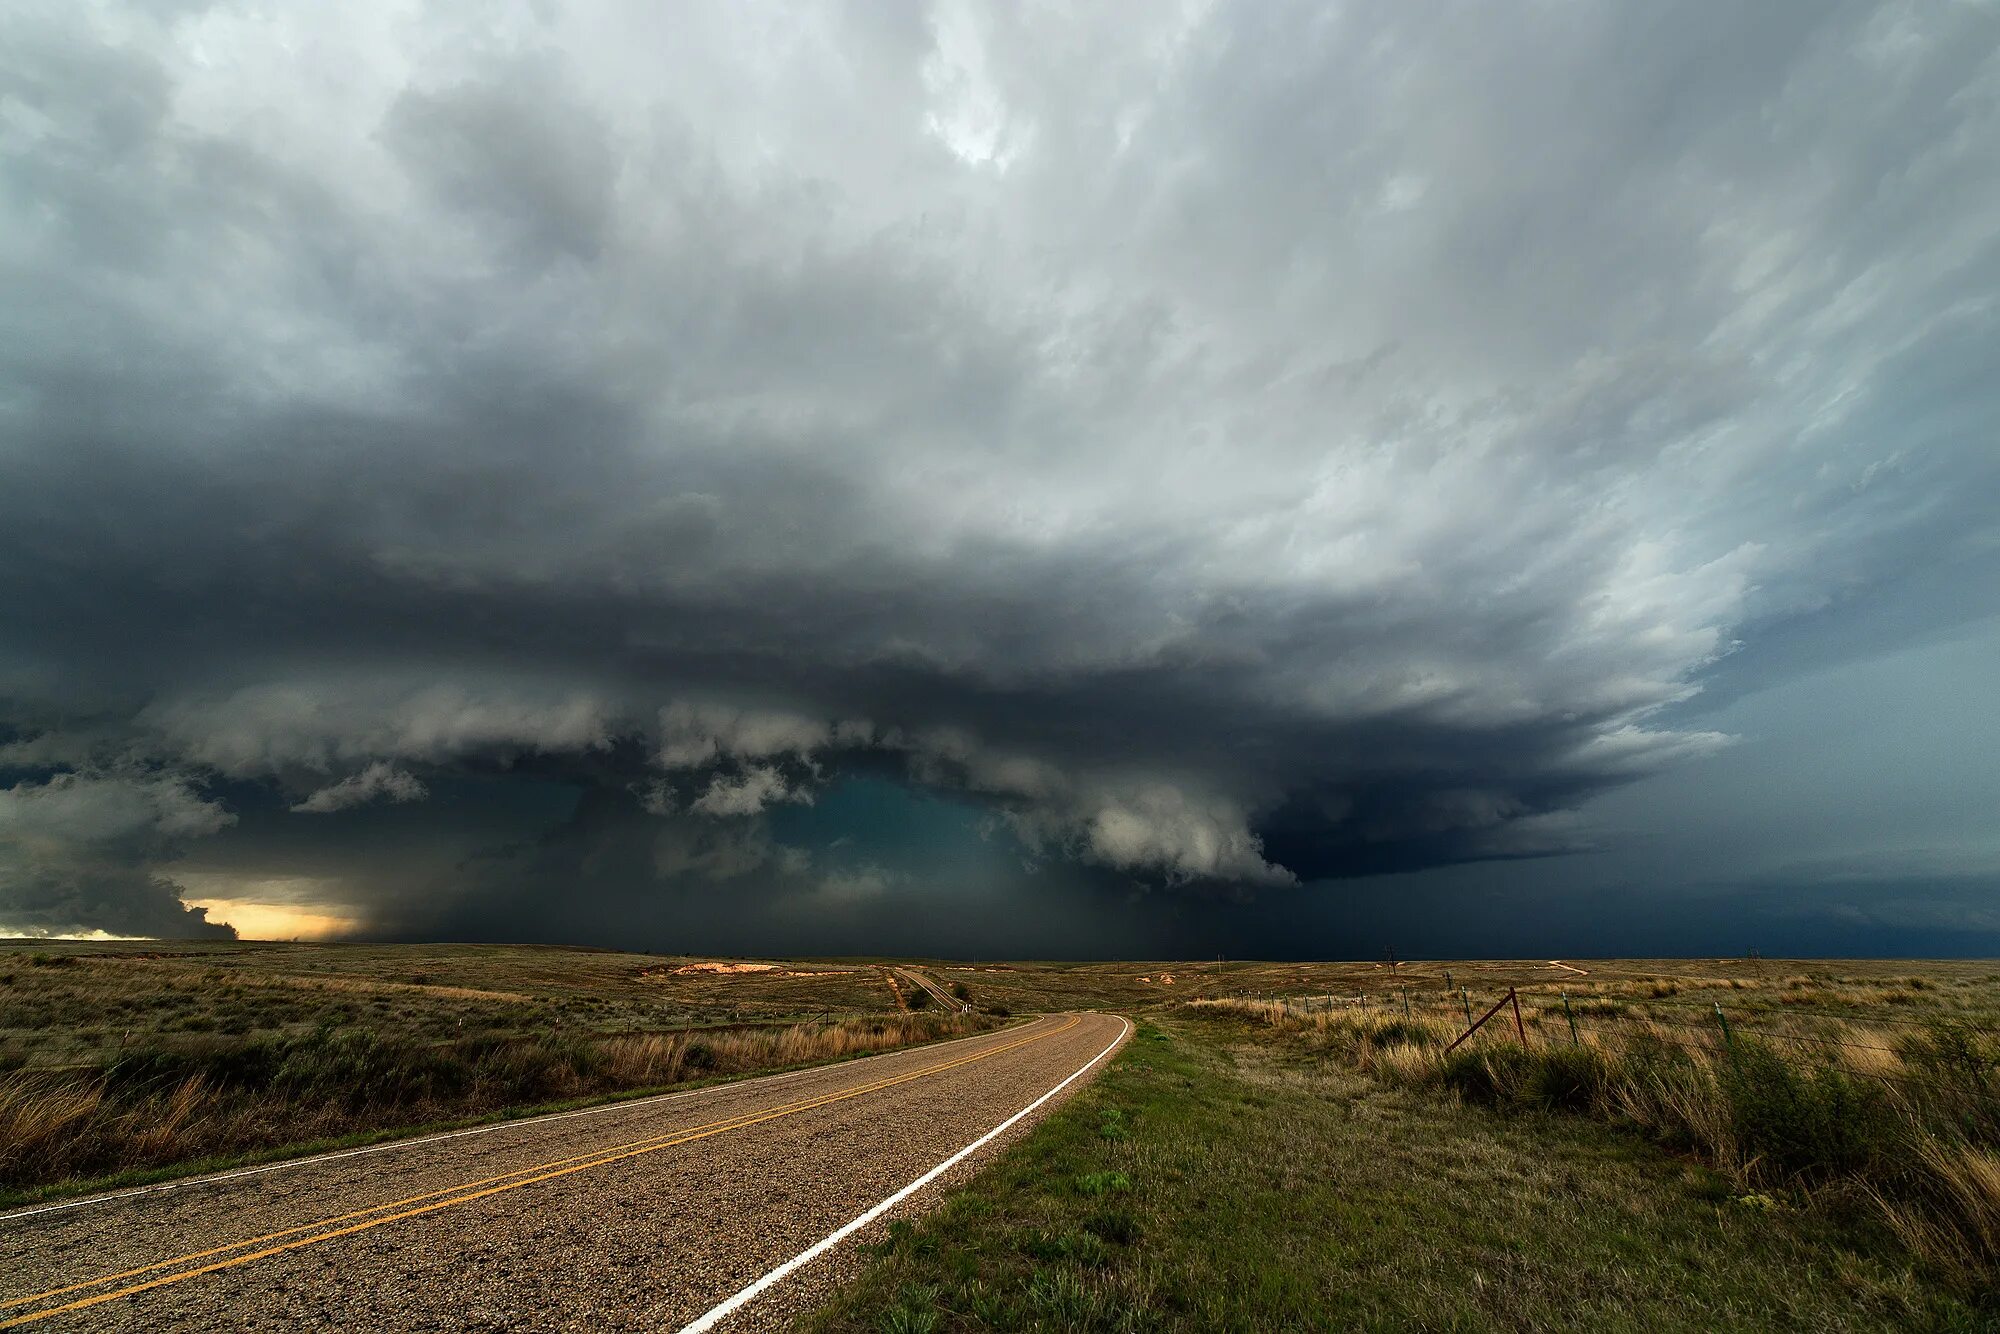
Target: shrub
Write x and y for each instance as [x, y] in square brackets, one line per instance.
[1812, 1123]
[1389, 1032]
[1486, 1075]
[1571, 1078]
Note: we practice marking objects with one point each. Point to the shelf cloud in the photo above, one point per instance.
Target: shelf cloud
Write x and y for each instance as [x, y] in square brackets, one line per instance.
[1227, 448]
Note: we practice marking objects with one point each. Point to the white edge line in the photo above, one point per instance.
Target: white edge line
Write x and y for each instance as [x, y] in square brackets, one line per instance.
[182, 1183]
[729, 1306]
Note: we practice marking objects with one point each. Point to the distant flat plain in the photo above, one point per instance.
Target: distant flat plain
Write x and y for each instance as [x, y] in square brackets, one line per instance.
[75, 1004]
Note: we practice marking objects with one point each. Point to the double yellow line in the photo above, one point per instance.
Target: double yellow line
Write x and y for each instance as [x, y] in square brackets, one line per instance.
[326, 1229]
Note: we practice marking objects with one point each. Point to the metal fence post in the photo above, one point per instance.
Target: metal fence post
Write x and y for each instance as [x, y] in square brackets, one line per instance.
[1574, 1039]
[1467, 1002]
[1728, 1038]
[1520, 1030]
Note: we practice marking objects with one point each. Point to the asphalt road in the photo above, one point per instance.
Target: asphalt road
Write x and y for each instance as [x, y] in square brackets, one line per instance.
[930, 985]
[637, 1215]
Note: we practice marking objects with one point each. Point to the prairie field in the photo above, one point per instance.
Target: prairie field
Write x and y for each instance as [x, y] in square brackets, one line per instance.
[1693, 1143]
[121, 1060]
[1657, 1145]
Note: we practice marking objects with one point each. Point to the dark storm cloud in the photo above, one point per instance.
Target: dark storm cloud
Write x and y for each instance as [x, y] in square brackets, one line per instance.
[76, 851]
[1229, 446]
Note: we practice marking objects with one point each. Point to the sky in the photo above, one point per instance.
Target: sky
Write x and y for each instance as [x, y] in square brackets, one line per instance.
[1125, 480]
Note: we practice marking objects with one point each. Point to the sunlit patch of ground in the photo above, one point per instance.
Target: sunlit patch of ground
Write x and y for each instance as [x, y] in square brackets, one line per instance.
[718, 968]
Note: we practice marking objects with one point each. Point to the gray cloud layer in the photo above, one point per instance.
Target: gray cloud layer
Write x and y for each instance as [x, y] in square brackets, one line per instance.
[1233, 444]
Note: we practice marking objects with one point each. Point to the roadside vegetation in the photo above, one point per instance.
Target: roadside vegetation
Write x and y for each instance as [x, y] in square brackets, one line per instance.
[1220, 1175]
[1876, 1124]
[156, 1106]
[123, 1061]
[1962, 989]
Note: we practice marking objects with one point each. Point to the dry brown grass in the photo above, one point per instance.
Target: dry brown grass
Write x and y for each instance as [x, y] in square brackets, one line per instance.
[78, 1004]
[369, 986]
[158, 1107]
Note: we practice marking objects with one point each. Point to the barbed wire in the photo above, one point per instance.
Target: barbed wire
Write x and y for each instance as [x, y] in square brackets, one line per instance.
[1768, 1033]
[1550, 1015]
[1789, 1012]
[1642, 1003]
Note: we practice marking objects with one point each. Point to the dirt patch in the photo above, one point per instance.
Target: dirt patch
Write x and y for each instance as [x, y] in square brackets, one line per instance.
[717, 968]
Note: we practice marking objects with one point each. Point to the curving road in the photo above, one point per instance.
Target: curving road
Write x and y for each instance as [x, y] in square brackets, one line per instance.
[702, 1208]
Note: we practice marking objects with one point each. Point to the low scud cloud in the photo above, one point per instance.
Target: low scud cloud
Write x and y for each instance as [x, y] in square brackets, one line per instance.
[1230, 449]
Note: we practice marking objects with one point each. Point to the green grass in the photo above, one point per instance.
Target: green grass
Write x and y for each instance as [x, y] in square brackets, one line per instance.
[1872, 1125]
[1211, 1180]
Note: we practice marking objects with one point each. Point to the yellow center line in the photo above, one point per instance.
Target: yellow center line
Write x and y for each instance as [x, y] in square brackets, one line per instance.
[799, 1105]
[562, 1167]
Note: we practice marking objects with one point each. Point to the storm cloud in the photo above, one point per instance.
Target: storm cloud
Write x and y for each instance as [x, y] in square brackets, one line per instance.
[1212, 449]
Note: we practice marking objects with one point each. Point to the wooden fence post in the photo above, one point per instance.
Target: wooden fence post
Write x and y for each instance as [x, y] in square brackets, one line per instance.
[1480, 1022]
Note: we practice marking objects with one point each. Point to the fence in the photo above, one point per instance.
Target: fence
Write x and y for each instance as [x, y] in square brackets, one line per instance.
[1630, 1017]
[1897, 1112]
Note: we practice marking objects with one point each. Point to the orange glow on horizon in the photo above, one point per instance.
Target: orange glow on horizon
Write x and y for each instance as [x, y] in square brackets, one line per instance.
[274, 921]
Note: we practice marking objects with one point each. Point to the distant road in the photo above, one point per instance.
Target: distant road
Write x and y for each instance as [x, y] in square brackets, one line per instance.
[642, 1215]
[929, 984]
